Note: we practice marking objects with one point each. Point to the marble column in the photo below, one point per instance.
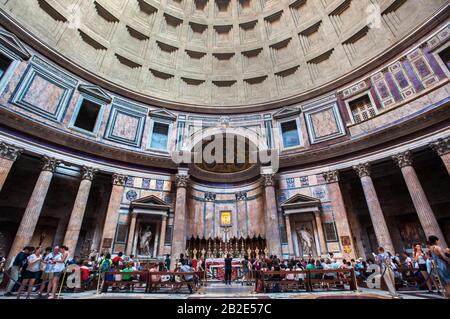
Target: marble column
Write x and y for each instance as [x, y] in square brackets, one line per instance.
[162, 238]
[323, 244]
[426, 216]
[33, 211]
[112, 213]
[79, 209]
[442, 148]
[179, 222]
[340, 213]
[271, 216]
[131, 231]
[8, 155]
[376, 213]
[289, 235]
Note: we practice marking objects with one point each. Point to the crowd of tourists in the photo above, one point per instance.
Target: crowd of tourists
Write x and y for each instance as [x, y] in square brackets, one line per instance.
[41, 271]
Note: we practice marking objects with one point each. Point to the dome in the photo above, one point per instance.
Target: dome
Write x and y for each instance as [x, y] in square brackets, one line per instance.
[201, 55]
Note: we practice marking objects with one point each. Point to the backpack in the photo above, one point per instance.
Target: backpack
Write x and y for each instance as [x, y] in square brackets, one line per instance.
[105, 265]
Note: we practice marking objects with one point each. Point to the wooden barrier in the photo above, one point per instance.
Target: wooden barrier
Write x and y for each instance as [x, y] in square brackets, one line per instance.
[305, 280]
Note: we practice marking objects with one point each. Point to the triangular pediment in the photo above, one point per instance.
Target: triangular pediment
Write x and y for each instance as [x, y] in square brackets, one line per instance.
[96, 92]
[286, 112]
[12, 43]
[164, 114]
[302, 202]
[150, 200]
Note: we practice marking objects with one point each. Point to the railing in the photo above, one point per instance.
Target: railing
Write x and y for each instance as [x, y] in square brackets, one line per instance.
[305, 280]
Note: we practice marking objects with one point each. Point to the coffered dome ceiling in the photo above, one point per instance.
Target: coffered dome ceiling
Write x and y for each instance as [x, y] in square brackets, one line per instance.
[206, 54]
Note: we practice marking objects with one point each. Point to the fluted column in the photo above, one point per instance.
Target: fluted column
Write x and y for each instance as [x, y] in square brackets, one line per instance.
[271, 216]
[340, 214]
[289, 236]
[131, 231]
[79, 208]
[162, 238]
[179, 222]
[33, 211]
[376, 213]
[112, 214]
[442, 147]
[8, 155]
[426, 216]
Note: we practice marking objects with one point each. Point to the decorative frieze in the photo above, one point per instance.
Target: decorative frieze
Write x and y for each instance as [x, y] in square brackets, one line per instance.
[403, 159]
[363, 170]
[88, 173]
[50, 164]
[119, 180]
[210, 197]
[9, 152]
[331, 177]
[441, 146]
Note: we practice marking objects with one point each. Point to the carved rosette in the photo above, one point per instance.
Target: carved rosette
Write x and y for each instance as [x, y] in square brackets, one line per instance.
[241, 196]
[119, 180]
[88, 173]
[331, 177]
[50, 164]
[403, 159]
[441, 146]
[182, 180]
[268, 180]
[210, 197]
[9, 152]
[363, 170]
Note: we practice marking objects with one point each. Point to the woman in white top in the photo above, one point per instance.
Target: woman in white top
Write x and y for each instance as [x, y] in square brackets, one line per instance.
[32, 272]
[421, 261]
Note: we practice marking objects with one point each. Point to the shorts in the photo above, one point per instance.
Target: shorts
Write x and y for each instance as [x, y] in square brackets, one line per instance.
[57, 274]
[31, 275]
[423, 267]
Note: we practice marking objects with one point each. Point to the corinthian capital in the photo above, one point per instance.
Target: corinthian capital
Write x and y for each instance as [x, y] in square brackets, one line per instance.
[119, 180]
[88, 173]
[331, 177]
[363, 170]
[403, 159]
[182, 180]
[268, 180]
[441, 146]
[9, 152]
[50, 164]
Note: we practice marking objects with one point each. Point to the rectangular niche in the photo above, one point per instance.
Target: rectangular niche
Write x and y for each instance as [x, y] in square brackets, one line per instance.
[125, 70]
[88, 116]
[321, 64]
[362, 108]
[256, 88]
[171, 26]
[303, 11]
[288, 80]
[145, 14]
[222, 8]
[200, 8]
[223, 62]
[252, 60]
[159, 81]
[193, 88]
[275, 24]
[165, 54]
[245, 7]
[311, 37]
[248, 32]
[223, 36]
[198, 33]
[224, 91]
[358, 44]
[195, 60]
[343, 16]
[282, 52]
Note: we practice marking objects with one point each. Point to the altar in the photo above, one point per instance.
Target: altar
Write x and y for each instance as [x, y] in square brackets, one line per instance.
[216, 267]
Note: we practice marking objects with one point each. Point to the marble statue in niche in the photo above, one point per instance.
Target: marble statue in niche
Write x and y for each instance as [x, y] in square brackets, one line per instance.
[306, 236]
[145, 237]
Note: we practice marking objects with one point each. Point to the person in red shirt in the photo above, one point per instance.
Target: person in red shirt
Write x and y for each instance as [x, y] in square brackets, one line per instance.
[85, 272]
[118, 259]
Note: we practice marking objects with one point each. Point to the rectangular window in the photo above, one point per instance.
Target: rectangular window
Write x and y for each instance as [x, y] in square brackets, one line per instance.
[160, 136]
[5, 63]
[362, 109]
[445, 57]
[330, 232]
[122, 230]
[289, 131]
[88, 115]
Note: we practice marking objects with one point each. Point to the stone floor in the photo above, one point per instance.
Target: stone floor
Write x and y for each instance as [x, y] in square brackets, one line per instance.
[236, 291]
